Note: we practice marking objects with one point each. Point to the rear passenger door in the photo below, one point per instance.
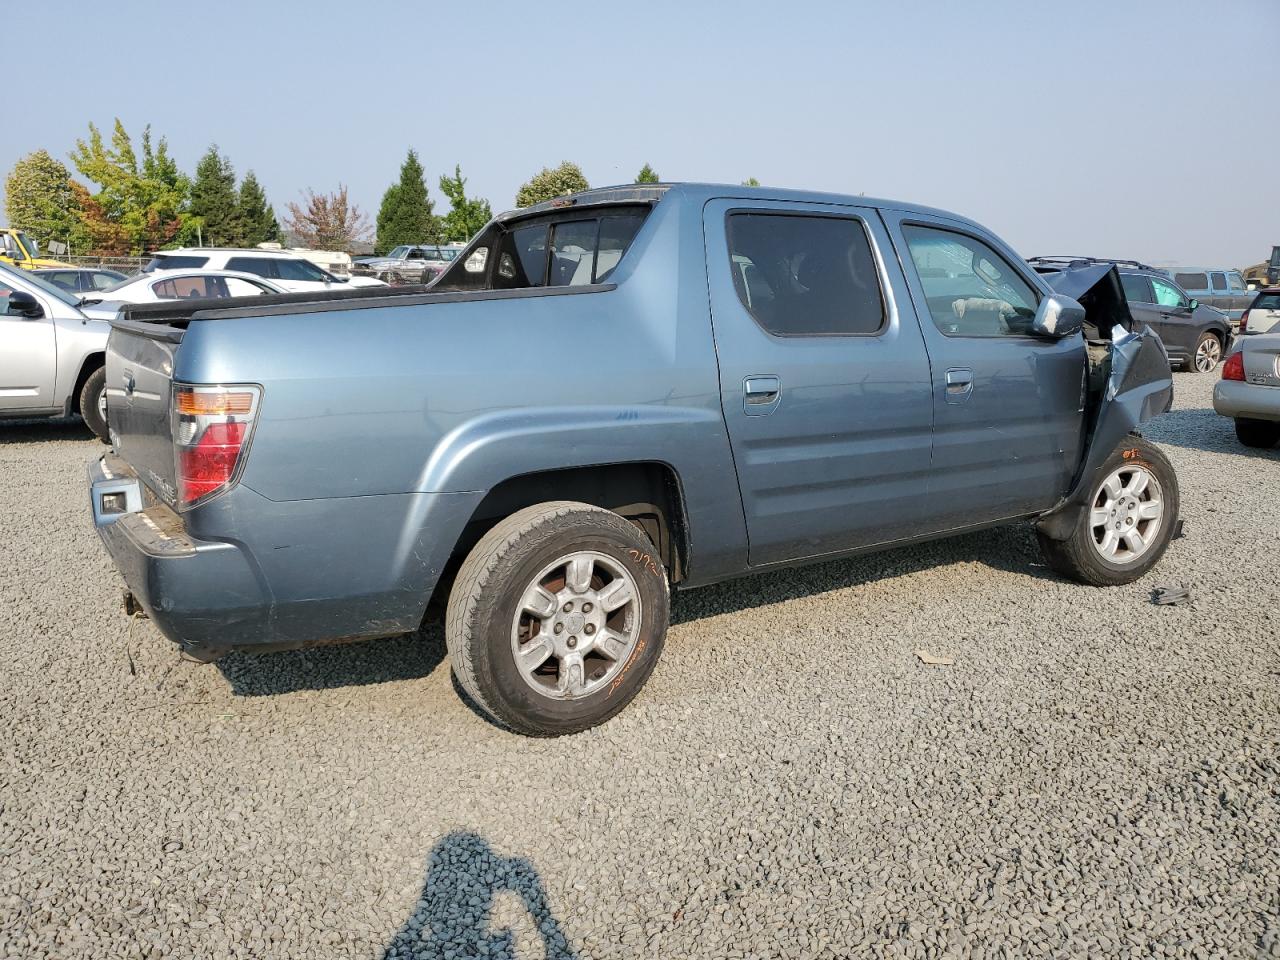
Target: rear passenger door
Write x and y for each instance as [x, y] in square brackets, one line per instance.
[1007, 405]
[824, 378]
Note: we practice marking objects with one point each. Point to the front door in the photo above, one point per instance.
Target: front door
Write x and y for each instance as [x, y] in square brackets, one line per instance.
[28, 359]
[824, 377]
[1177, 325]
[1008, 406]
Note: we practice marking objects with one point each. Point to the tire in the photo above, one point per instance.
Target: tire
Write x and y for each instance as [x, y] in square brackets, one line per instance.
[1207, 353]
[1257, 433]
[1084, 555]
[491, 616]
[93, 396]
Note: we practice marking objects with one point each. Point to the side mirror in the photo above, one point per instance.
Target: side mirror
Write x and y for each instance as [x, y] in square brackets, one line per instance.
[1193, 304]
[23, 304]
[1058, 317]
[1252, 286]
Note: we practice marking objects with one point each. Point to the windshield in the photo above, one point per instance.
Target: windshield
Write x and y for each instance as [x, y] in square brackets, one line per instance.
[32, 247]
[44, 286]
[399, 253]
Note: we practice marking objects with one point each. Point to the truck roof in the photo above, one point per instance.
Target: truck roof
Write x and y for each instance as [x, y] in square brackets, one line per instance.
[701, 192]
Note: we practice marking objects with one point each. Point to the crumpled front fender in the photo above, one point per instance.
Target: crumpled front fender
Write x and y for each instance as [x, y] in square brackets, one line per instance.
[1139, 387]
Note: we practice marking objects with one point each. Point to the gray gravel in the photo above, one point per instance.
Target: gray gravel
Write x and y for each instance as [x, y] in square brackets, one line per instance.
[1094, 776]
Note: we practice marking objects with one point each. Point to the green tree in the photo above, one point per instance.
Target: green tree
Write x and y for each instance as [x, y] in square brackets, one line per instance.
[327, 221]
[751, 182]
[38, 198]
[549, 184]
[467, 216]
[146, 200]
[406, 214]
[257, 217]
[648, 175]
[214, 201]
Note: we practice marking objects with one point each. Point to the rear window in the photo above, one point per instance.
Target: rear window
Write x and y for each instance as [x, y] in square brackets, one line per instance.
[169, 261]
[1266, 301]
[558, 251]
[1191, 281]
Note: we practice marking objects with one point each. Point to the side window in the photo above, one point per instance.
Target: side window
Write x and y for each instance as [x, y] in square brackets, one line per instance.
[243, 288]
[1191, 281]
[1219, 282]
[1168, 295]
[103, 280]
[801, 275]
[189, 288]
[522, 258]
[415, 254]
[1137, 289]
[971, 290]
[66, 279]
[1236, 282]
[300, 270]
[259, 266]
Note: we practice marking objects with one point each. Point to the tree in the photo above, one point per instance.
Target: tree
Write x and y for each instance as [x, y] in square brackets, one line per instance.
[148, 199]
[214, 201]
[468, 216]
[751, 182]
[94, 232]
[38, 198]
[327, 221]
[648, 175]
[406, 214]
[549, 184]
[257, 218]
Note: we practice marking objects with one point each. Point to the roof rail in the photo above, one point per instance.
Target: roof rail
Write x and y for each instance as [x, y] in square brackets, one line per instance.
[1070, 261]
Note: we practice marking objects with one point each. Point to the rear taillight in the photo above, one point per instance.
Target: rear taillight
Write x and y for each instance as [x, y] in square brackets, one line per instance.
[211, 430]
[1233, 369]
[1244, 322]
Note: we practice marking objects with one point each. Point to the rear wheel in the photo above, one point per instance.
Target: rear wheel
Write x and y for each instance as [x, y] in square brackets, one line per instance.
[557, 618]
[1127, 523]
[93, 403]
[1208, 352]
[1257, 433]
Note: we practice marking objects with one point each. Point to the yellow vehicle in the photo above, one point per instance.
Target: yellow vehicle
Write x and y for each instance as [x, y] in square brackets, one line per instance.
[19, 250]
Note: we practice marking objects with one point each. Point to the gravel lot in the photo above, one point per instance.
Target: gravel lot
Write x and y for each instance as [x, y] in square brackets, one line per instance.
[1095, 775]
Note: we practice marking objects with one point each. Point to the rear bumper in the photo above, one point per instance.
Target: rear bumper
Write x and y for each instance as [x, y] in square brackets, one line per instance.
[276, 575]
[1235, 398]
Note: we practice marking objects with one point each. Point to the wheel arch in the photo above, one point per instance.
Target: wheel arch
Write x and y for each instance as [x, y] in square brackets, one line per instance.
[87, 366]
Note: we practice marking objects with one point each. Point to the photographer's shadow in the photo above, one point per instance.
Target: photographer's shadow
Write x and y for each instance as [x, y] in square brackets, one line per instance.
[475, 903]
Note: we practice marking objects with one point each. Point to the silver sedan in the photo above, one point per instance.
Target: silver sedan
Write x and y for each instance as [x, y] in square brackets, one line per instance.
[1249, 391]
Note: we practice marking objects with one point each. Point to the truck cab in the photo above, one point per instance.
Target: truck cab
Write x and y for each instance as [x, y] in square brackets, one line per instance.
[18, 249]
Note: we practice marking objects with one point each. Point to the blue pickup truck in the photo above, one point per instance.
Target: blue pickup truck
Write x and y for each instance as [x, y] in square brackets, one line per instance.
[608, 396]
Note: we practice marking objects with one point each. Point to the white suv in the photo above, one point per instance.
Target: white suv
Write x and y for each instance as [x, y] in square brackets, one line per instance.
[282, 267]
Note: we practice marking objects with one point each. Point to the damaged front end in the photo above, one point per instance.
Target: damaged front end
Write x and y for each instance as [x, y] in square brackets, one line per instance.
[1129, 380]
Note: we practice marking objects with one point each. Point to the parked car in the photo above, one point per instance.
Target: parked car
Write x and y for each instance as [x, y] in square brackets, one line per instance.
[161, 285]
[407, 264]
[1223, 288]
[1249, 391]
[81, 280]
[283, 267]
[1196, 336]
[593, 406]
[51, 354]
[1263, 315]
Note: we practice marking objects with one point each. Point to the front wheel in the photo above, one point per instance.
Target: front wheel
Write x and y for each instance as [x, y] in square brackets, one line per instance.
[557, 618]
[1127, 523]
[1257, 433]
[1208, 353]
[93, 403]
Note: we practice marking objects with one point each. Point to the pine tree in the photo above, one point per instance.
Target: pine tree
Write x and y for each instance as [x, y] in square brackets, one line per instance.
[406, 214]
[648, 175]
[257, 217]
[214, 201]
[468, 216]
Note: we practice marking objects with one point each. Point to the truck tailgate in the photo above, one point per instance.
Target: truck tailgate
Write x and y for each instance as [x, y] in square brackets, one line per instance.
[139, 385]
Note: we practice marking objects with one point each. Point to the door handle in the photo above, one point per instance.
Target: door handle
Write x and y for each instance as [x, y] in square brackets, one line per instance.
[760, 395]
[959, 384]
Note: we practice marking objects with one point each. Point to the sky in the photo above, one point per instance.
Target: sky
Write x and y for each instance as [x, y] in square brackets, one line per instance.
[1143, 129]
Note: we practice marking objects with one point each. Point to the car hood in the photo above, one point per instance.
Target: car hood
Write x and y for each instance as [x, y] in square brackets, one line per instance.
[1097, 288]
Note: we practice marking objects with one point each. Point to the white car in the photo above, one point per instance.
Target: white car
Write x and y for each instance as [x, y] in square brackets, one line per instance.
[161, 285]
[282, 267]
